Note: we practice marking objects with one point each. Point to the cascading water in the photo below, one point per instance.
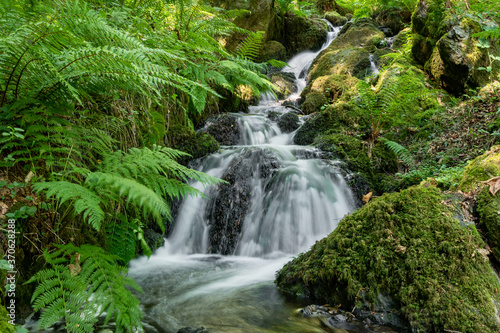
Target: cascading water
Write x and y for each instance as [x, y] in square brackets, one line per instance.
[285, 198]
[300, 64]
[373, 65]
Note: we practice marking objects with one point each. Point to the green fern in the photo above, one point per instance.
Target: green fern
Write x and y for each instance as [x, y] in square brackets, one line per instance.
[81, 284]
[401, 152]
[250, 48]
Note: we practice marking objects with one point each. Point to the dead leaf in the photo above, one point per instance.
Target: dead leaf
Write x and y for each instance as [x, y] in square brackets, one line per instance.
[3, 208]
[494, 184]
[401, 249]
[367, 197]
[29, 177]
[75, 269]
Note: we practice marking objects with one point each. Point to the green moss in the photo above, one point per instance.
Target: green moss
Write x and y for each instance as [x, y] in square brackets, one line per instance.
[272, 50]
[313, 103]
[480, 169]
[407, 245]
[488, 207]
[315, 125]
[335, 18]
[335, 86]
[5, 327]
[187, 140]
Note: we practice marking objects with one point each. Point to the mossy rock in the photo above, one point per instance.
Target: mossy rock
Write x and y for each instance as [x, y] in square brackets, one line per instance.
[393, 19]
[488, 207]
[225, 130]
[422, 48]
[333, 87]
[289, 122]
[348, 53]
[480, 169]
[335, 18]
[303, 33]
[313, 103]
[285, 83]
[315, 125]
[409, 246]
[272, 50]
[195, 144]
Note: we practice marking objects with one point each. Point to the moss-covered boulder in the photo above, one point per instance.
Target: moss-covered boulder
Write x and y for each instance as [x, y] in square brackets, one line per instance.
[285, 83]
[335, 18]
[225, 130]
[315, 125]
[288, 122]
[488, 208]
[392, 19]
[314, 102]
[480, 169]
[408, 246]
[195, 144]
[333, 87]
[261, 16]
[303, 33]
[348, 53]
[272, 50]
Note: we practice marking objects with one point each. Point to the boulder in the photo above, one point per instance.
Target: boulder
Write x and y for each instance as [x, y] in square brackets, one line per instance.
[288, 122]
[229, 202]
[193, 330]
[285, 83]
[272, 50]
[225, 130]
[407, 246]
[314, 102]
[335, 18]
[303, 33]
[196, 144]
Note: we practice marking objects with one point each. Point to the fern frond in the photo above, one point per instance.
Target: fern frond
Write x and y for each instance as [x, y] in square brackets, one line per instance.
[251, 47]
[84, 201]
[401, 152]
[80, 297]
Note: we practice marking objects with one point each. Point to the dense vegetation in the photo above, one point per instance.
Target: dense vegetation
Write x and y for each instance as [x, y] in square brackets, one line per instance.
[96, 96]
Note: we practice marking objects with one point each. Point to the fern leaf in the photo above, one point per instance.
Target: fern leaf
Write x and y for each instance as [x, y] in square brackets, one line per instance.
[400, 151]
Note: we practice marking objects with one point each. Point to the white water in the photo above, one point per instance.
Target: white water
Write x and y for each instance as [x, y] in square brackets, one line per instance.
[301, 201]
[373, 66]
[300, 64]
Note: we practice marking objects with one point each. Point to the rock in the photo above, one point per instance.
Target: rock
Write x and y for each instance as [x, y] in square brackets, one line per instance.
[488, 208]
[303, 33]
[193, 330]
[225, 130]
[289, 122]
[197, 144]
[285, 83]
[333, 87]
[229, 203]
[335, 18]
[260, 17]
[272, 50]
[154, 239]
[440, 282]
[480, 169]
[314, 311]
[348, 53]
[314, 102]
[392, 20]
[422, 48]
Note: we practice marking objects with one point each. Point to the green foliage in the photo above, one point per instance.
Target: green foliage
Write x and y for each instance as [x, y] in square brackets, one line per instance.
[138, 180]
[407, 245]
[250, 48]
[81, 284]
[400, 151]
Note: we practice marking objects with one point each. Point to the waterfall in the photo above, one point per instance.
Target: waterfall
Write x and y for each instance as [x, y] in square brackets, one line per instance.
[373, 66]
[282, 199]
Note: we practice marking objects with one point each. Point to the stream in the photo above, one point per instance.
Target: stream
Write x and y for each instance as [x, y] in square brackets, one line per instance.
[294, 198]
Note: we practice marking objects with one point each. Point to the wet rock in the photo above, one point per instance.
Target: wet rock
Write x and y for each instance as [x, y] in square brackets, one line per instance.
[193, 330]
[197, 144]
[225, 130]
[230, 202]
[289, 122]
[314, 311]
[314, 126]
[339, 318]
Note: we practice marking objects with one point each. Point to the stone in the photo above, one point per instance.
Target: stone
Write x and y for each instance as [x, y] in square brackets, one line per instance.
[193, 330]
[289, 122]
[335, 18]
[225, 130]
[303, 33]
[272, 50]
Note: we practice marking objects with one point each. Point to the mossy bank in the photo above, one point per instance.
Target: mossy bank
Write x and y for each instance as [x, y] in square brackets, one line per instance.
[410, 246]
